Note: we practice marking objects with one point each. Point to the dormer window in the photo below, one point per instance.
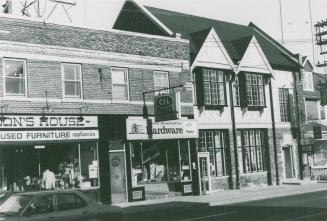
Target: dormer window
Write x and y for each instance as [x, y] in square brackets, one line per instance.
[252, 90]
[307, 81]
[210, 86]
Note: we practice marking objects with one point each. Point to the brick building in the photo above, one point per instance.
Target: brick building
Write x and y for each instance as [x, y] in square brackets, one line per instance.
[67, 94]
[244, 93]
[312, 120]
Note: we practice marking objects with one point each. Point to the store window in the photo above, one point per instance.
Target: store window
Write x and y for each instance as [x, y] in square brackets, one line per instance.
[214, 142]
[311, 109]
[120, 88]
[15, 77]
[161, 81]
[251, 150]
[56, 166]
[72, 80]
[307, 81]
[211, 87]
[157, 162]
[284, 104]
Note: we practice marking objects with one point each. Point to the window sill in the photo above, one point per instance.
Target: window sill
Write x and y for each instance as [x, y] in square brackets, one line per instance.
[256, 108]
[214, 107]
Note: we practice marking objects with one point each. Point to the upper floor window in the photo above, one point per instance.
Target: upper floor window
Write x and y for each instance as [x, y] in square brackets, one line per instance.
[72, 80]
[161, 81]
[307, 81]
[15, 77]
[120, 88]
[284, 104]
[312, 109]
[236, 91]
[211, 87]
[322, 112]
[251, 90]
[255, 90]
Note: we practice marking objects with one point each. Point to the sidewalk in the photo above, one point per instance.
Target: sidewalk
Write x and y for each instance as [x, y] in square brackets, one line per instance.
[237, 196]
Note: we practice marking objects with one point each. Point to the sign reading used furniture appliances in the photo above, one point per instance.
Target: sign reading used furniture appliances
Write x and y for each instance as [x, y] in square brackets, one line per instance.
[48, 135]
[142, 129]
[11, 121]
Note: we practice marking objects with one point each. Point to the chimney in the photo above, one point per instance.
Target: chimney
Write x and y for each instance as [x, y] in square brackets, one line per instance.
[178, 35]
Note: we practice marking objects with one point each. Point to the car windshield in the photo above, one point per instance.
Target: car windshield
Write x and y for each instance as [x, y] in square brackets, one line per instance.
[14, 204]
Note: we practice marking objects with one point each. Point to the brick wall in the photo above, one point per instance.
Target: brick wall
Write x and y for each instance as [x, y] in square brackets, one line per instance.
[45, 75]
[73, 37]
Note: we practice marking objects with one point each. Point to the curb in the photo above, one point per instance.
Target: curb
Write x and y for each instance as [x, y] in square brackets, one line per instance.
[267, 196]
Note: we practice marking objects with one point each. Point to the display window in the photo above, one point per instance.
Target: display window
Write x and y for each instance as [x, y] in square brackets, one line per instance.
[160, 161]
[51, 166]
[214, 142]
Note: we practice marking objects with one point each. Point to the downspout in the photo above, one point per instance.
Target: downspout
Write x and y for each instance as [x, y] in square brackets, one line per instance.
[237, 174]
[274, 132]
[298, 126]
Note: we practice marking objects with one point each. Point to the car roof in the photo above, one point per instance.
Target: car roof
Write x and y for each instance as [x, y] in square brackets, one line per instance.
[36, 193]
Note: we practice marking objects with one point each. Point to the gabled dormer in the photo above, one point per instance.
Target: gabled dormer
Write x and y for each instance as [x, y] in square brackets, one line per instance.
[253, 73]
[212, 67]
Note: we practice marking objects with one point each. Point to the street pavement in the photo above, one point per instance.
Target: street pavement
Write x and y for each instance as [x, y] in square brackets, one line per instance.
[310, 204]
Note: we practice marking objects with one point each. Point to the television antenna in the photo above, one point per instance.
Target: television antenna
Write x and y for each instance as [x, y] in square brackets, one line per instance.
[40, 7]
[66, 4]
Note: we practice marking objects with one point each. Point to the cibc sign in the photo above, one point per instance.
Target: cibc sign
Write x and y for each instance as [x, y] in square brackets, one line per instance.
[166, 107]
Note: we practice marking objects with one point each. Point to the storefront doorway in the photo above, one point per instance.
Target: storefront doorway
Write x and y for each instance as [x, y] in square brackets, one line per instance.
[288, 161]
[204, 172]
[118, 176]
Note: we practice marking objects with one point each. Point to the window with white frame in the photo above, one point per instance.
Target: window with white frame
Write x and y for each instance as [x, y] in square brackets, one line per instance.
[251, 150]
[214, 142]
[15, 77]
[214, 87]
[322, 112]
[120, 90]
[255, 90]
[307, 81]
[161, 80]
[312, 109]
[72, 80]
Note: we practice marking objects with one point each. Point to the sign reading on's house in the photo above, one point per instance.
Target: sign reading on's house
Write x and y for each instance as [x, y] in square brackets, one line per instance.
[22, 121]
[166, 107]
[53, 128]
[144, 129]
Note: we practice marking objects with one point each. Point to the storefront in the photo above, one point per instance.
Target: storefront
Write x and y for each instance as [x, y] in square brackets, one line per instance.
[52, 152]
[160, 158]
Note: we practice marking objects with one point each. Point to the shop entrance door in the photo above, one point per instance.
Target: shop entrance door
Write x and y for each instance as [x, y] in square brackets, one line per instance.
[204, 172]
[117, 176]
[288, 158]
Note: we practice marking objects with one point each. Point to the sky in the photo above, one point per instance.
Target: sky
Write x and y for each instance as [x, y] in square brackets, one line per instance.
[296, 22]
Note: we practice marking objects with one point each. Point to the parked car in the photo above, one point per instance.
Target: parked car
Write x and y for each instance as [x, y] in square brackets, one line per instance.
[56, 206]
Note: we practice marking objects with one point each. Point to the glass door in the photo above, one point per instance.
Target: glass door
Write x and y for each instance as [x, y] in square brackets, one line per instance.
[204, 172]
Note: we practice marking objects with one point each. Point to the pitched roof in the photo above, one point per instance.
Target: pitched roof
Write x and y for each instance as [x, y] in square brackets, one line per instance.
[195, 29]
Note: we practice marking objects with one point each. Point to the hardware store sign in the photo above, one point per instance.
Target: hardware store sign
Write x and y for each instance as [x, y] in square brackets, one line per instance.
[143, 129]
